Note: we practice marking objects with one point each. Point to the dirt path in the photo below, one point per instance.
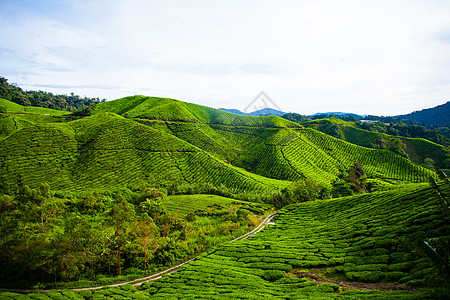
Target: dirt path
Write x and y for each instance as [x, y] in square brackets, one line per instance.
[158, 275]
[257, 229]
[348, 285]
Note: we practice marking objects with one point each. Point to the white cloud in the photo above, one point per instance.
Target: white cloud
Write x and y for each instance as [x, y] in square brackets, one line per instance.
[378, 57]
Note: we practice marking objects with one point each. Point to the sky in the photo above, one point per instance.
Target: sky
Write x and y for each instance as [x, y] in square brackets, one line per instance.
[366, 57]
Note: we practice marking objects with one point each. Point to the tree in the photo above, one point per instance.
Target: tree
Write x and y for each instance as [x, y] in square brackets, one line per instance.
[429, 163]
[121, 213]
[393, 144]
[349, 182]
[150, 194]
[357, 178]
[302, 191]
[153, 208]
[146, 232]
[6, 216]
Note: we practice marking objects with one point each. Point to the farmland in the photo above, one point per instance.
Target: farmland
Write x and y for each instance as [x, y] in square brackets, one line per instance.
[367, 238]
[142, 183]
[252, 154]
[361, 238]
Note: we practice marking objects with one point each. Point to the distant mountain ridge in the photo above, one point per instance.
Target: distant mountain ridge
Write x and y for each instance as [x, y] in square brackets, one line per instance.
[267, 112]
[232, 110]
[261, 112]
[437, 116]
[356, 116]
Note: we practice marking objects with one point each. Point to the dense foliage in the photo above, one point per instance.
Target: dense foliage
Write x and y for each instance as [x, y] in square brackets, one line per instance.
[51, 236]
[70, 102]
[436, 116]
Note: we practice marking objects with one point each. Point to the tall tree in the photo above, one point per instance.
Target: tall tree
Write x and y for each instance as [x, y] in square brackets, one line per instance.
[121, 213]
[146, 232]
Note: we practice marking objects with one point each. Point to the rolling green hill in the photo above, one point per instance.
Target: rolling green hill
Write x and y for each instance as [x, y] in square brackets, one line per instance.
[174, 110]
[368, 238]
[144, 140]
[417, 149]
[117, 160]
[106, 151]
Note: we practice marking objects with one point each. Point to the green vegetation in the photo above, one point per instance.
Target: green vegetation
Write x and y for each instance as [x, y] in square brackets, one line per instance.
[153, 108]
[186, 204]
[361, 238]
[56, 237]
[414, 142]
[15, 94]
[119, 190]
[107, 151]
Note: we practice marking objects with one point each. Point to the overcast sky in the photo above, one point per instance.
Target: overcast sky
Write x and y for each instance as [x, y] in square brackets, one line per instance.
[367, 57]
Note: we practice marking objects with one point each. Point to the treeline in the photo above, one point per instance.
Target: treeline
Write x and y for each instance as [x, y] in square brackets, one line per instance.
[71, 102]
[49, 236]
[294, 117]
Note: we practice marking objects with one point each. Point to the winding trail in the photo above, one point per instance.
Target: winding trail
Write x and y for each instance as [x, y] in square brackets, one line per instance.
[158, 275]
[257, 229]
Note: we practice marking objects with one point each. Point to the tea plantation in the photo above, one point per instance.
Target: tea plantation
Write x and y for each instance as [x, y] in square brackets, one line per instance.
[368, 238]
[164, 140]
[417, 149]
[186, 204]
[142, 183]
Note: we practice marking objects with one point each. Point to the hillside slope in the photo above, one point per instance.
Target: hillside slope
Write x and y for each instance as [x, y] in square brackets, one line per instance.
[361, 238]
[106, 151]
[417, 149]
[174, 110]
[437, 116]
[162, 142]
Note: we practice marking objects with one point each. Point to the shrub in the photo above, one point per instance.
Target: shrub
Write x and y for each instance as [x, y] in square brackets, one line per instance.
[365, 276]
[273, 275]
[395, 276]
[331, 287]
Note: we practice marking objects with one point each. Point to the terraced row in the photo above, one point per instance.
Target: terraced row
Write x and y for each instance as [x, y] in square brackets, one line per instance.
[376, 163]
[367, 238]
